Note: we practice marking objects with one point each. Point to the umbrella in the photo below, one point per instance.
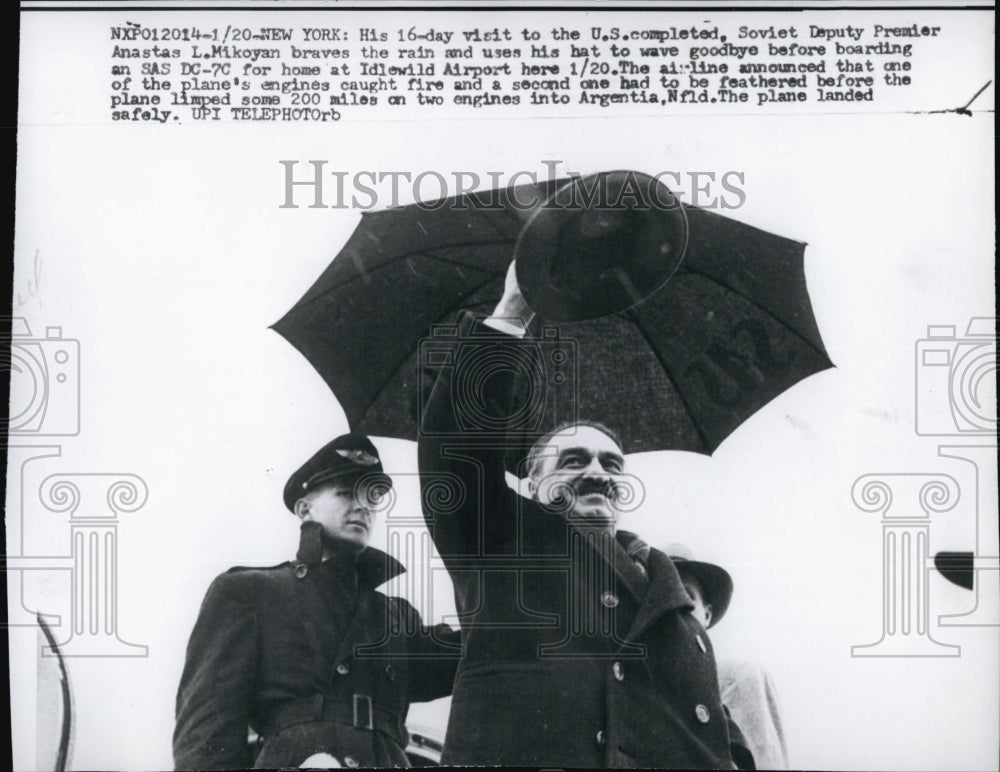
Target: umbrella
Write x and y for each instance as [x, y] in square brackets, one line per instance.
[730, 330]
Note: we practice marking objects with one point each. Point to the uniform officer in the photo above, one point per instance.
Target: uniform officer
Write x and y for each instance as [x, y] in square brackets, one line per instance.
[307, 653]
[579, 646]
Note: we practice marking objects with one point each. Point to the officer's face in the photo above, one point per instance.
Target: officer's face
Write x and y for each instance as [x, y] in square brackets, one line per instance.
[580, 470]
[702, 610]
[341, 512]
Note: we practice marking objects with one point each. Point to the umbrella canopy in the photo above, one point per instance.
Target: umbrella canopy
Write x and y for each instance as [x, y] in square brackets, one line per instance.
[731, 329]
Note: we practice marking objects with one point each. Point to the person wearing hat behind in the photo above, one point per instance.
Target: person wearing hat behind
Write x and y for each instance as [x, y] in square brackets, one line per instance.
[747, 689]
[308, 654]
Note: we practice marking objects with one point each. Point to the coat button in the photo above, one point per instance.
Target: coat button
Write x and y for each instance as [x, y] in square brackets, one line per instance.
[618, 671]
[609, 599]
[599, 738]
[350, 761]
[343, 668]
[301, 569]
[390, 673]
[702, 713]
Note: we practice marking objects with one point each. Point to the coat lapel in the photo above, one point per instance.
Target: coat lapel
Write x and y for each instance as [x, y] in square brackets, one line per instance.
[615, 557]
[629, 575]
[364, 628]
[665, 593]
[660, 593]
[375, 568]
[364, 623]
[370, 623]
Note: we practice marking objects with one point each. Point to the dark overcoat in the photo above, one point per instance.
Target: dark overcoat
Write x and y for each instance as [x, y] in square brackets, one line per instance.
[573, 658]
[310, 657]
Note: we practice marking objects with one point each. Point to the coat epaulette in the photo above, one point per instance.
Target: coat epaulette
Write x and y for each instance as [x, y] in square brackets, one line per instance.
[234, 569]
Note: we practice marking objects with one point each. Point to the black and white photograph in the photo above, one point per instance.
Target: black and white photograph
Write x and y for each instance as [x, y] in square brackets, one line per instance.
[521, 385]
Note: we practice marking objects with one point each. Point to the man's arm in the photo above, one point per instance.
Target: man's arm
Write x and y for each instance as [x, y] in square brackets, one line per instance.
[739, 748]
[435, 653]
[468, 461]
[213, 701]
[512, 314]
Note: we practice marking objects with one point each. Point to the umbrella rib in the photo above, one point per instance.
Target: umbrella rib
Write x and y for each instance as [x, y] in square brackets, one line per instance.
[467, 295]
[405, 359]
[750, 300]
[487, 215]
[670, 377]
[431, 253]
[392, 261]
[434, 256]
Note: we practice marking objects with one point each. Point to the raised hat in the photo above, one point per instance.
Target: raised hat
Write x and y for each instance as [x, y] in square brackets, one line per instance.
[345, 459]
[716, 583]
[599, 245]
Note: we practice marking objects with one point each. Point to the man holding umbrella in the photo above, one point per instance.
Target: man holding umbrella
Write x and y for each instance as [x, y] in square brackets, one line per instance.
[307, 653]
[579, 646]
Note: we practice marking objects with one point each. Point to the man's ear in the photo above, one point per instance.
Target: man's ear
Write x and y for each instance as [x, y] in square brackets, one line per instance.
[302, 510]
[709, 614]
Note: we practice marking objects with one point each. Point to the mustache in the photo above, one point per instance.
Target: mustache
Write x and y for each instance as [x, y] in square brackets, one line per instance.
[587, 486]
[625, 493]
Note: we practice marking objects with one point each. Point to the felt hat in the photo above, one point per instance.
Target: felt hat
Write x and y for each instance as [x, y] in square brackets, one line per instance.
[600, 245]
[715, 582]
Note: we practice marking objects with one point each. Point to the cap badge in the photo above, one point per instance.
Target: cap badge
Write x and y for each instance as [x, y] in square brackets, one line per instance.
[362, 457]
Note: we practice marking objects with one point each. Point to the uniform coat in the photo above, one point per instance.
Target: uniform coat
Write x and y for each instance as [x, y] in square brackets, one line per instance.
[284, 650]
[573, 658]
